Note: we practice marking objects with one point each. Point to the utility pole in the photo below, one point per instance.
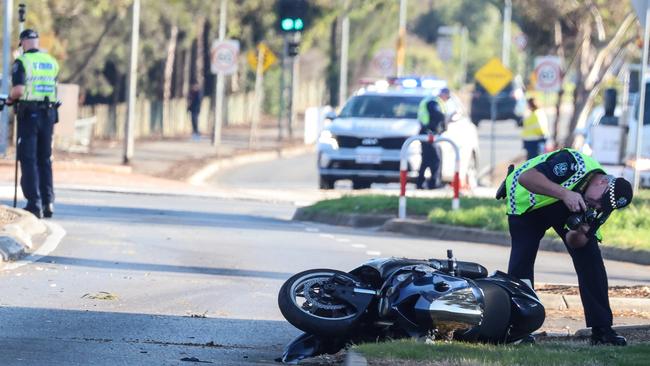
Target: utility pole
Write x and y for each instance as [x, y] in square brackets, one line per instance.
[6, 53]
[401, 38]
[345, 43]
[505, 46]
[218, 105]
[463, 55]
[133, 81]
[644, 95]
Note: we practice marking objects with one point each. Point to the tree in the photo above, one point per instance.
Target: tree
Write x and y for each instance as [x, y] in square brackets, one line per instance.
[592, 34]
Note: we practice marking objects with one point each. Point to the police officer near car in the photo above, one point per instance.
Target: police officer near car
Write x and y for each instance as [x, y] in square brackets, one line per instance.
[433, 119]
[33, 92]
[571, 193]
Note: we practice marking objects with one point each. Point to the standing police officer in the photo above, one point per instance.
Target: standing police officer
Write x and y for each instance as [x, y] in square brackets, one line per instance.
[545, 192]
[34, 76]
[432, 116]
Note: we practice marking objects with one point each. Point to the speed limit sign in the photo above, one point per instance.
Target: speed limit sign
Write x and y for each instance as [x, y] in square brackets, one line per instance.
[223, 57]
[548, 73]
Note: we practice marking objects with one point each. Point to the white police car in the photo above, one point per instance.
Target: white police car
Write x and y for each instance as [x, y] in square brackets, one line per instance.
[363, 142]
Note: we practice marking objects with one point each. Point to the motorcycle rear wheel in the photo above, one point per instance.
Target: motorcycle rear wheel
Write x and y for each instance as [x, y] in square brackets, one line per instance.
[307, 307]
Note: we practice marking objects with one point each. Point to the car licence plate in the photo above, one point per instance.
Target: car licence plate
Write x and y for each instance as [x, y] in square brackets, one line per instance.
[368, 155]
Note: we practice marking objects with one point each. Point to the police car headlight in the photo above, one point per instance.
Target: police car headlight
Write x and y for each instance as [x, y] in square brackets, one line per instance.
[326, 137]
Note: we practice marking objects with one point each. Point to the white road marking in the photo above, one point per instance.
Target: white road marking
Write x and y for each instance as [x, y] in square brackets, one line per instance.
[343, 240]
[329, 236]
[374, 253]
[361, 246]
[312, 230]
[51, 242]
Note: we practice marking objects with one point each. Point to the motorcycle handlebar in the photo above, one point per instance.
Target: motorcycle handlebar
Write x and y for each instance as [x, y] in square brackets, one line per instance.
[462, 269]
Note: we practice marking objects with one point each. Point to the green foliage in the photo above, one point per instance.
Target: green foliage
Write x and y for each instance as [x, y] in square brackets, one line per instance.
[626, 228]
[556, 353]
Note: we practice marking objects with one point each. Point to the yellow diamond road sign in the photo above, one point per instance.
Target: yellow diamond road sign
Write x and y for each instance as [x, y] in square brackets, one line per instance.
[269, 57]
[493, 76]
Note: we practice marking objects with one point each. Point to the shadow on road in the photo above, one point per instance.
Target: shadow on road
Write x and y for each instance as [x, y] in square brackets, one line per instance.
[150, 267]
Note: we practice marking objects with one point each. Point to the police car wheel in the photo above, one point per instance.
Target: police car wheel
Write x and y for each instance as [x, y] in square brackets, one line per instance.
[326, 183]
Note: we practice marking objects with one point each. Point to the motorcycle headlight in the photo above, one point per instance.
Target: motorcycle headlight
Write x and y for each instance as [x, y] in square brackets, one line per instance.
[326, 137]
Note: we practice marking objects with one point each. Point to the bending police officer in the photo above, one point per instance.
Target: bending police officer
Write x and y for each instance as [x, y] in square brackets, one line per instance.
[34, 76]
[432, 116]
[543, 193]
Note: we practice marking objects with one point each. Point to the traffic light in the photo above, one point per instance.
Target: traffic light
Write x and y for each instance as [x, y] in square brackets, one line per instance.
[292, 15]
[293, 48]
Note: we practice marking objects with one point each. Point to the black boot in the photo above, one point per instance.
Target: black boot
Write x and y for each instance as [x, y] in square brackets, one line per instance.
[35, 210]
[606, 336]
[48, 210]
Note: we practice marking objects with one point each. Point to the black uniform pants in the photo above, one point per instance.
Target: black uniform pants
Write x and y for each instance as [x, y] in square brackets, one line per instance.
[430, 159]
[526, 232]
[35, 128]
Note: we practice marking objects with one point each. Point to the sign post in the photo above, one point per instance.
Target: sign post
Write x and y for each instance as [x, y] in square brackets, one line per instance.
[493, 76]
[223, 61]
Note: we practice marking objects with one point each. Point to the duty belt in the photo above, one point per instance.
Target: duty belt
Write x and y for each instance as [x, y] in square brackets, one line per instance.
[38, 104]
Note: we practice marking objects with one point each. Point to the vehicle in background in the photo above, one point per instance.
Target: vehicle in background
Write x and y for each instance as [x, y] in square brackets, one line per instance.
[510, 103]
[603, 144]
[364, 141]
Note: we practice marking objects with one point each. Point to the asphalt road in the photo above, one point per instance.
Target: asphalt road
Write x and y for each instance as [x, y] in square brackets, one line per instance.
[155, 280]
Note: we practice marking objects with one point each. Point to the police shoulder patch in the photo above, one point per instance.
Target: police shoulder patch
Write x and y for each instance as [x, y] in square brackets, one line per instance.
[560, 169]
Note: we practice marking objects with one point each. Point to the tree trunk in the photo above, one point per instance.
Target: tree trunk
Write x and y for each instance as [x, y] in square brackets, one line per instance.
[167, 85]
[200, 53]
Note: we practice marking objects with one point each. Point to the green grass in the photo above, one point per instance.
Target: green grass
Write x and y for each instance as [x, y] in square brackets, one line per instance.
[456, 353]
[627, 228]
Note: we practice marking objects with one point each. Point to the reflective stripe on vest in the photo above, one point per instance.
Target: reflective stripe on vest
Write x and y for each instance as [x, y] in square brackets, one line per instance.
[520, 200]
[423, 111]
[41, 71]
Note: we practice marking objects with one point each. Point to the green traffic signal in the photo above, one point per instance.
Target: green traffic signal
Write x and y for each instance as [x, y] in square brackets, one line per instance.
[288, 24]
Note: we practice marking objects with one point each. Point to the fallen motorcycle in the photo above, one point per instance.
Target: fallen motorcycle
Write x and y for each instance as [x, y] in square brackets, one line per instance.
[393, 298]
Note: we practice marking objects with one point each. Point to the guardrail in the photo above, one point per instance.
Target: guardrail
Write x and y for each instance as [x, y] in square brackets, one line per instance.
[403, 170]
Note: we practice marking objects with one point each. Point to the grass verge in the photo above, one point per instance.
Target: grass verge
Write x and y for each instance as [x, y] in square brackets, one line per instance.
[456, 353]
[627, 228]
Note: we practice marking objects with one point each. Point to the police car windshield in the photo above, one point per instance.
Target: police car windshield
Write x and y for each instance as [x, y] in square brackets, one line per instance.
[382, 106]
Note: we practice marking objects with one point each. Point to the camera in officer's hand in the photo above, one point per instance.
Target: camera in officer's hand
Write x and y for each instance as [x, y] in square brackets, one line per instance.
[587, 217]
[591, 217]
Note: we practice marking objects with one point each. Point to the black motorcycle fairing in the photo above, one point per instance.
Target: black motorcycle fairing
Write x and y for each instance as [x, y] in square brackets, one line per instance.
[513, 285]
[526, 310]
[309, 345]
[427, 300]
[527, 316]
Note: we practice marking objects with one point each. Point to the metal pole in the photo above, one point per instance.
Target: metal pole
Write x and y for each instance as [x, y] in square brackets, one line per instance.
[292, 65]
[401, 38]
[282, 85]
[345, 42]
[6, 60]
[218, 106]
[505, 49]
[133, 81]
[493, 117]
[463, 55]
[639, 124]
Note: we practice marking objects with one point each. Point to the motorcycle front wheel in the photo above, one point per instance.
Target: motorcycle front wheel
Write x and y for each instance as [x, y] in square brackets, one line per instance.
[305, 304]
